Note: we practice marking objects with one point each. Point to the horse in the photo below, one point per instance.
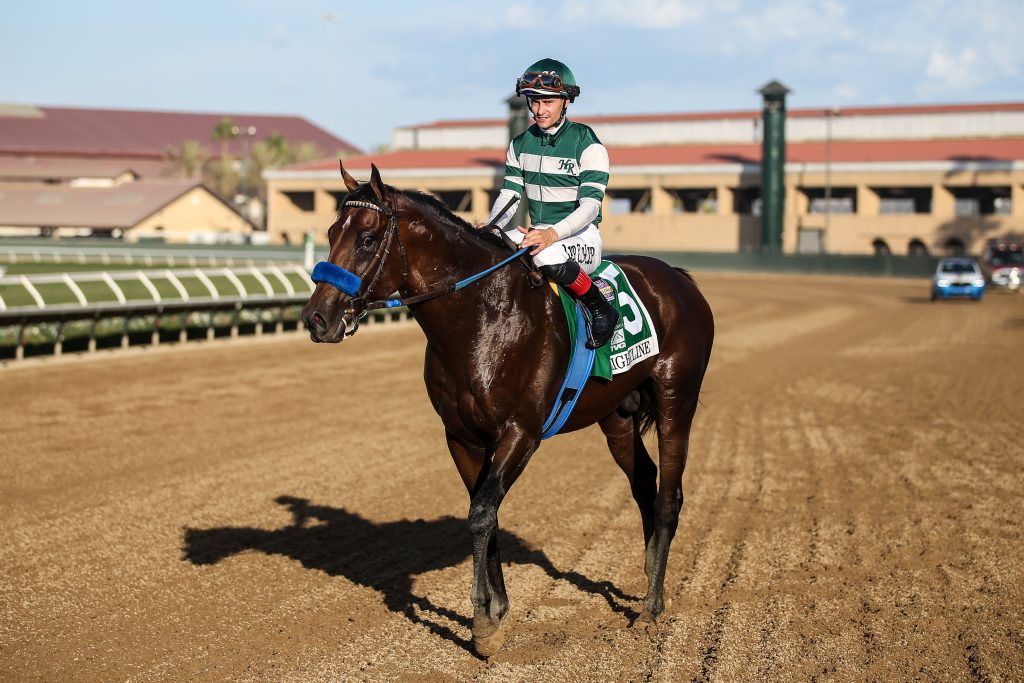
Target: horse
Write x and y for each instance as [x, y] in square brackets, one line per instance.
[496, 353]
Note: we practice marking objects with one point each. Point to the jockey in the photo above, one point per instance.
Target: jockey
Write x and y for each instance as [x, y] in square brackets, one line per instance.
[563, 168]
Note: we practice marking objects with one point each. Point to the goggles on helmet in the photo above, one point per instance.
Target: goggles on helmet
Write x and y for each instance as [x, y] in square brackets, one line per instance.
[542, 82]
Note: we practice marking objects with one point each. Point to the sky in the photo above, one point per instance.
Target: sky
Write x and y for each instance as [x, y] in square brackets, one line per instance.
[360, 69]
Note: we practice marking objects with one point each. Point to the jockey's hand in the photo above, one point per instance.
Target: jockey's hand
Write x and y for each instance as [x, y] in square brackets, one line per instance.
[537, 238]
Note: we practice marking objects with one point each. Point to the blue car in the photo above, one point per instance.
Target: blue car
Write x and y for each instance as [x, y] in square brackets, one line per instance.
[958, 277]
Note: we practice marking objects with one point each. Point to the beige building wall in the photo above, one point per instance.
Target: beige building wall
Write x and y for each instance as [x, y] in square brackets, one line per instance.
[855, 233]
[663, 226]
[196, 215]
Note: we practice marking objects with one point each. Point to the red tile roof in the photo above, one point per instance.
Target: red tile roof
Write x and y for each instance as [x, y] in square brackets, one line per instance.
[124, 206]
[984, 149]
[142, 134]
[750, 114]
[414, 158]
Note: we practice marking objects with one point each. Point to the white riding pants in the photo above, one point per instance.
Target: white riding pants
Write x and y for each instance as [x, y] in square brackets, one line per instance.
[584, 248]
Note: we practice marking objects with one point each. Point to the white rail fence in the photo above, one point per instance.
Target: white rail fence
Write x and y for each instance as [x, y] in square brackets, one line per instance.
[145, 256]
[271, 279]
[164, 300]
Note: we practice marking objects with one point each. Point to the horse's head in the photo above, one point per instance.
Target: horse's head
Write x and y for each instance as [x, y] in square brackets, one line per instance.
[365, 260]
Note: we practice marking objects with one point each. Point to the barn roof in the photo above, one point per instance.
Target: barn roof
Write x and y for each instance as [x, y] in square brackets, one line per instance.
[143, 134]
[122, 207]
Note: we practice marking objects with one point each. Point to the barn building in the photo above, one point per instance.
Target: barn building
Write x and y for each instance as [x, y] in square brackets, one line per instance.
[104, 172]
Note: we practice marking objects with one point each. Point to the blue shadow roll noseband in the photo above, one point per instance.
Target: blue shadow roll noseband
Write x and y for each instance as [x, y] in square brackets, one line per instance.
[338, 277]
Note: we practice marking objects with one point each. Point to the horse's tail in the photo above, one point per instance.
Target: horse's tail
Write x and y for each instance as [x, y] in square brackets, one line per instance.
[643, 421]
[643, 418]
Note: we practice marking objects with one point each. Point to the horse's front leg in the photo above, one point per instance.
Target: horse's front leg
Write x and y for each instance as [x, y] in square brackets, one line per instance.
[487, 489]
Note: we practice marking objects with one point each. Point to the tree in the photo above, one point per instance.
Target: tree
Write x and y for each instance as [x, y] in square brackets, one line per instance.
[305, 151]
[224, 176]
[224, 132]
[186, 159]
[273, 152]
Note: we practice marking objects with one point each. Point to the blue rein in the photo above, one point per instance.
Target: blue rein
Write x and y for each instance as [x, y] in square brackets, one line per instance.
[349, 283]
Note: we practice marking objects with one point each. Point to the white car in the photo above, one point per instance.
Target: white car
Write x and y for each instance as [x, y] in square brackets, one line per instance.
[955, 277]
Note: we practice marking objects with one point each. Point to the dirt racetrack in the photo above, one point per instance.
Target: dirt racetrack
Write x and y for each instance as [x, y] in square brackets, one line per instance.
[283, 511]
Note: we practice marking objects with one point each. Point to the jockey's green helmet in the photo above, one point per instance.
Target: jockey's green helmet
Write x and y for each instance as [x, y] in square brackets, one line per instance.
[548, 78]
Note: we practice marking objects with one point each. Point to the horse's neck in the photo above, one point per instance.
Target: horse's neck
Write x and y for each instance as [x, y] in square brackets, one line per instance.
[441, 254]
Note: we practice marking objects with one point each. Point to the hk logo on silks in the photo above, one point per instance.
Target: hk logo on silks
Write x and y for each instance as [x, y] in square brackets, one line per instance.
[567, 165]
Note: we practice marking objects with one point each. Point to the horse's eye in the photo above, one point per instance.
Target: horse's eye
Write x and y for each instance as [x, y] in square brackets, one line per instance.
[366, 241]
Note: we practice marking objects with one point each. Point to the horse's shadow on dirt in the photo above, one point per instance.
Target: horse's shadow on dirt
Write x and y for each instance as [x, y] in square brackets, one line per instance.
[383, 556]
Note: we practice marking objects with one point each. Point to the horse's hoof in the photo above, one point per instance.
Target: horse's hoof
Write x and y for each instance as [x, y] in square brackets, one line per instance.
[489, 645]
[487, 635]
[647, 618]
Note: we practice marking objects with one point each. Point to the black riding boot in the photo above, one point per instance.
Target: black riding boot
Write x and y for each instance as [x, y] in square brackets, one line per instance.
[602, 315]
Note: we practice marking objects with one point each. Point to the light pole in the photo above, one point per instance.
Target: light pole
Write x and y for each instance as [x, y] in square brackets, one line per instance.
[829, 115]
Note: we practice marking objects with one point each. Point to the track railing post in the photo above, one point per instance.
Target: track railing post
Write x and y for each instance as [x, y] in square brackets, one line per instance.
[92, 334]
[58, 341]
[19, 351]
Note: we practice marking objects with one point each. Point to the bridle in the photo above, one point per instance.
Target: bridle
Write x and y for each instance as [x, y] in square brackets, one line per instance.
[355, 286]
[351, 284]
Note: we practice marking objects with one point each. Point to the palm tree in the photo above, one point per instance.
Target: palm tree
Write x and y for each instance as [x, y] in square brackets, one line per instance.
[278, 147]
[224, 132]
[305, 151]
[186, 159]
[224, 176]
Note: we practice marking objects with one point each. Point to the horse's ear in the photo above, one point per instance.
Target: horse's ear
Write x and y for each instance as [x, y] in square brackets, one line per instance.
[351, 183]
[379, 188]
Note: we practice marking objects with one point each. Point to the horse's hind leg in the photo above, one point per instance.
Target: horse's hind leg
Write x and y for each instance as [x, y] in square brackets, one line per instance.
[623, 435]
[674, 410]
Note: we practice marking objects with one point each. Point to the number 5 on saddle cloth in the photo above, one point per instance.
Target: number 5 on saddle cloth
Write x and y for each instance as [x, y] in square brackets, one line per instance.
[634, 340]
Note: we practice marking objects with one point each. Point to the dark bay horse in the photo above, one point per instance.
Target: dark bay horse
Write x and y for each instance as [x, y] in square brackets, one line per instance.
[496, 354]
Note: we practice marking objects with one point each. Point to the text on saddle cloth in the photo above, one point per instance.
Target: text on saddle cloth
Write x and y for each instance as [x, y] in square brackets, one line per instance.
[634, 338]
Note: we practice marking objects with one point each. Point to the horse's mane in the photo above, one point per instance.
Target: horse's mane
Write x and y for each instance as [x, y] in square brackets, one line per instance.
[439, 210]
[435, 207]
